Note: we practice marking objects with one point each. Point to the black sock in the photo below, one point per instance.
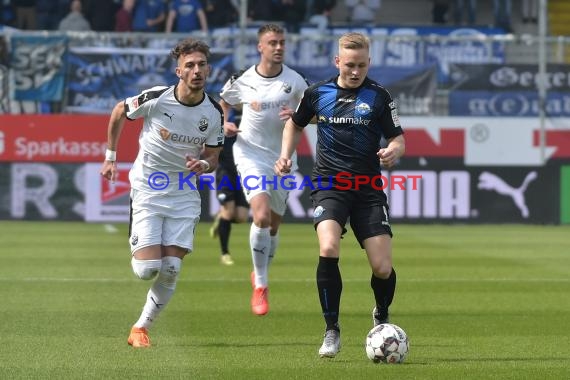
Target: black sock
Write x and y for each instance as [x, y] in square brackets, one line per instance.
[224, 230]
[383, 293]
[329, 284]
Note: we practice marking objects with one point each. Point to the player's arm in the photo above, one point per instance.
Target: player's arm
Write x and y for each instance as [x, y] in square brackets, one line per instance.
[292, 133]
[208, 161]
[392, 130]
[390, 155]
[116, 124]
[291, 136]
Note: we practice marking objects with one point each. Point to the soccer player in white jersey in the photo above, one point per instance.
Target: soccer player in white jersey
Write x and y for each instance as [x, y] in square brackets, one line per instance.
[181, 138]
[267, 92]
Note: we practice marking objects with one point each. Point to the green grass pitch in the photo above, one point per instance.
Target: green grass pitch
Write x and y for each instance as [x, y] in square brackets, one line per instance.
[477, 302]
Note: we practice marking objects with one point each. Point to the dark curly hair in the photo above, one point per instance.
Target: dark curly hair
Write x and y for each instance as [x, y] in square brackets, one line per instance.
[190, 45]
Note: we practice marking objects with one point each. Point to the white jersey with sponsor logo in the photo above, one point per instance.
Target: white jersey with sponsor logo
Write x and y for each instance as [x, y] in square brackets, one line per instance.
[262, 99]
[171, 131]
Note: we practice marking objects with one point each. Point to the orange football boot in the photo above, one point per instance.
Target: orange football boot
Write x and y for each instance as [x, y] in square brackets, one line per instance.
[138, 337]
[259, 301]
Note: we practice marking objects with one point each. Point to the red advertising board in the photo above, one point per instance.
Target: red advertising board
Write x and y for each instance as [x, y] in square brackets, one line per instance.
[83, 138]
[62, 138]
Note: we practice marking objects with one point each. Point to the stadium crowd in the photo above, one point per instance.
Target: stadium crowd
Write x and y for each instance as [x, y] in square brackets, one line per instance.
[158, 15]
[191, 15]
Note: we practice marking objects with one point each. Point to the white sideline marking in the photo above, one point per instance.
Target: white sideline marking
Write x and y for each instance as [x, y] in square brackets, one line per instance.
[235, 280]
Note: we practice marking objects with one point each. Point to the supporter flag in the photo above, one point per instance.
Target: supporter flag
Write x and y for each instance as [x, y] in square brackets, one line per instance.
[38, 66]
[99, 77]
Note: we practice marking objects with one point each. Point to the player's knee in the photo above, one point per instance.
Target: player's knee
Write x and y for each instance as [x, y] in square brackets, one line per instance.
[146, 269]
[329, 250]
[382, 271]
[169, 271]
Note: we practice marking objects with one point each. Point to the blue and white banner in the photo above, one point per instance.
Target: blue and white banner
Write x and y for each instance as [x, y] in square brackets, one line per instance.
[507, 103]
[101, 77]
[39, 65]
[509, 77]
[508, 90]
[316, 50]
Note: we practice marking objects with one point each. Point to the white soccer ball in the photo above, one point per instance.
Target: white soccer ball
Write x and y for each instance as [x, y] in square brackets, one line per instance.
[387, 343]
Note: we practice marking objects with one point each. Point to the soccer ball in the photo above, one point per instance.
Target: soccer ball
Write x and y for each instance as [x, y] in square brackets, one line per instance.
[387, 343]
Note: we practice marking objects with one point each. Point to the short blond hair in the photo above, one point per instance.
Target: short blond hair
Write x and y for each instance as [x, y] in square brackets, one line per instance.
[353, 41]
[269, 28]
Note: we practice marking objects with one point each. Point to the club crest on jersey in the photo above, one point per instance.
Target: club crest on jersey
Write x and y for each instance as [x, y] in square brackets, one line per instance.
[164, 133]
[318, 211]
[362, 109]
[203, 124]
[134, 239]
[286, 87]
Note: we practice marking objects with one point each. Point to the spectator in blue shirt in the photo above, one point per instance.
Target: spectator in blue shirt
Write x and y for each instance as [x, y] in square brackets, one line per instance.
[186, 16]
[149, 15]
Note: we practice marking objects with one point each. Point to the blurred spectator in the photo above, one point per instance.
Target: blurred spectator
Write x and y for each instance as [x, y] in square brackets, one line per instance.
[149, 15]
[62, 9]
[186, 16]
[124, 17]
[8, 14]
[220, 13]
[260, 10]
[363, 11]
[319, 12]
[100, 14]
[462, 7]
[46, 14]
[25, 14]
[291, 12]
[530, 11]
[502, 13]
[74, 21]
[439, 11]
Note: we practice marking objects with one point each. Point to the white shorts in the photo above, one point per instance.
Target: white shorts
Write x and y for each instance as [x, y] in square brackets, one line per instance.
[259, 177]
[163, 219]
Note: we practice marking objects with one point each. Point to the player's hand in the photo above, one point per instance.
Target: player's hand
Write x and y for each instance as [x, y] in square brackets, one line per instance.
[109, 170]
[285, 113]
[195, 165]
[230, 129]
[388, 157]
[283, 166]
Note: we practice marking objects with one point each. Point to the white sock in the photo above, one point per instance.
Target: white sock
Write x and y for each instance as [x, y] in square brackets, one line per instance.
[161, 291]
[273, 249]
[260, 243]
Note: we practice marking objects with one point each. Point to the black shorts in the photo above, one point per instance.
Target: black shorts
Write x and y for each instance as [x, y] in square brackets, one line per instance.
[228, 187]
[367, 209]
